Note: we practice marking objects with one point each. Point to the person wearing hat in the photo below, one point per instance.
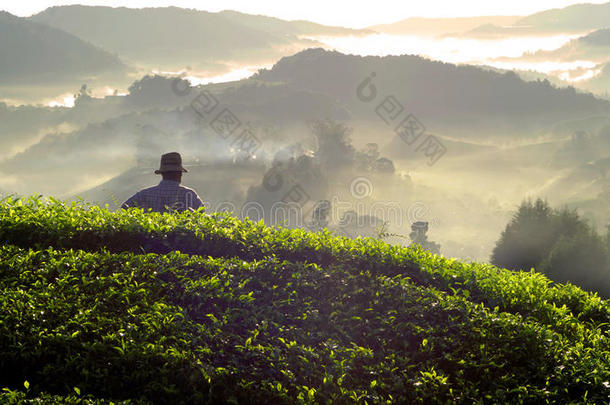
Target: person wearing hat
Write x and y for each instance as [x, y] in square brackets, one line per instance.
[168, 195]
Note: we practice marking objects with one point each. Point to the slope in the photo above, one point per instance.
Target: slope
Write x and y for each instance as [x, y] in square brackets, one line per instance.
[104, 302]
[594, 46]
[173, 37]
[442, 95]
[33, 52]
[577, 18]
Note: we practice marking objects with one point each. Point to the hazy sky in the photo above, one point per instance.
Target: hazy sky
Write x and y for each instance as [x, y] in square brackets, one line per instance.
[336, 12]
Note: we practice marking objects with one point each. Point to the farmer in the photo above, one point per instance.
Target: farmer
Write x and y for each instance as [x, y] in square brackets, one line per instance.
[168, 195]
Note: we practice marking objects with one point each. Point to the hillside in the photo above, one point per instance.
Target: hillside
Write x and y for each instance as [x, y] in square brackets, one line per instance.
[134, 126]
[172, 37]
[287, 28]
[594, 46]
[24, 125]
[197, 308]
[440, 26]
[33, 52]
[441, 94]
[597, 38]
[577, 18]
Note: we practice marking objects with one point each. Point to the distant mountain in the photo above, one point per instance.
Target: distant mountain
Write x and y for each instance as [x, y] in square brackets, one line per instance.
[34, 52]
[577, 18]
[468, 107]
[594, 46]
[439, 26]
[151, 120]
[597, 38]
[287, 28]
[438, 93]
[173, 37]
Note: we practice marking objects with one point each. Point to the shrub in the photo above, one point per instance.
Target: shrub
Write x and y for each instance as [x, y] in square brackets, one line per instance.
[251, 314]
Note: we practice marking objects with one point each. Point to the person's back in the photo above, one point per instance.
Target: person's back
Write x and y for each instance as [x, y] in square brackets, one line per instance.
[168, 195]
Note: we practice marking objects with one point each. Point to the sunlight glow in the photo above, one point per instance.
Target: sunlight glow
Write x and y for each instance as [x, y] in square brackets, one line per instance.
[236, 73]
[589, 74]
[448, 49]
[201, 78]
[65, 100]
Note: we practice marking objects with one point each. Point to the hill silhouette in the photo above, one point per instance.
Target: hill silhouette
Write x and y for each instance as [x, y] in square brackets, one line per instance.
[440, 26]
[598, 38]
[468, 103]
[293, 28]
[577, 18]
[174, 37]
[447, 95]
[34, 52]
[594, 46]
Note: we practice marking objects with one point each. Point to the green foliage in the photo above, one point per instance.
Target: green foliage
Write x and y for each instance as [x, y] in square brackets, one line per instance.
[557, 243]
[196, 308]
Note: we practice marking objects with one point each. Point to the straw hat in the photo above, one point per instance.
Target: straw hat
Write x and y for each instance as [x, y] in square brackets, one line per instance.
[171, 162]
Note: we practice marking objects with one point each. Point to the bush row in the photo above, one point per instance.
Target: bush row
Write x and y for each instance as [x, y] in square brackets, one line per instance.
[179, 328]
[36, 224]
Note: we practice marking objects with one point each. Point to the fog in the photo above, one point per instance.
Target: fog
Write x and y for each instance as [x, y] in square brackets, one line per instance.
[453, 49]
[360, 132]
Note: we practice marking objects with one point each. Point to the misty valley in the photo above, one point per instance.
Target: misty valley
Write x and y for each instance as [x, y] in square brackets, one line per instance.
[370, 161]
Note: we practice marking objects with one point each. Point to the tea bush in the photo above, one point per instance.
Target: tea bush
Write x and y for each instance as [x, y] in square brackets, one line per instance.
[197, 308]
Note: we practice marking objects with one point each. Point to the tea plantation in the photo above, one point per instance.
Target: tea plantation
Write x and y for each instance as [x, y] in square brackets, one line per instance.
[128, 307]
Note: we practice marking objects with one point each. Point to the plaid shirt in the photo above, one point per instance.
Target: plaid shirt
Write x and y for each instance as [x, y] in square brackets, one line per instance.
[167, 195]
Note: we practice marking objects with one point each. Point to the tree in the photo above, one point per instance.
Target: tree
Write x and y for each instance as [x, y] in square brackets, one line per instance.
[557, 243]
[418, 237]
[581, 259]
[335, 148]
[527, 238]
[84, 94]
[157, 90]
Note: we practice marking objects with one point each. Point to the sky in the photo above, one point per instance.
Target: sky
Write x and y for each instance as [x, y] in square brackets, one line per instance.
[348, 13]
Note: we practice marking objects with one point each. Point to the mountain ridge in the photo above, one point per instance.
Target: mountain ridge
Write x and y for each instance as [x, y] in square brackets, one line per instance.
[152, 36]
[36, 52]
[436, 91]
